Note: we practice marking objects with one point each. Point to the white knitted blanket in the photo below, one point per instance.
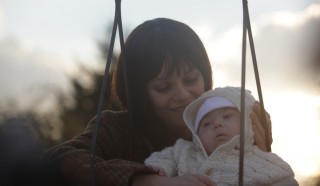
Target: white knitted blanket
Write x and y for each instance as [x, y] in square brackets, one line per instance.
[260, 168]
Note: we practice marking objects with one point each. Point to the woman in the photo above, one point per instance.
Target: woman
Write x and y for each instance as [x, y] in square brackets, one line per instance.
[167, 67]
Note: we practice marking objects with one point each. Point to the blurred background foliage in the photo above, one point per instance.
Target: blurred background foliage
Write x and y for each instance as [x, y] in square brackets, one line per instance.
[72, 111]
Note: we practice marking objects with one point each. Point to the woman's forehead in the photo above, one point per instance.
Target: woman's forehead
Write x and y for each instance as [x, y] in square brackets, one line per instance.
[178, 68]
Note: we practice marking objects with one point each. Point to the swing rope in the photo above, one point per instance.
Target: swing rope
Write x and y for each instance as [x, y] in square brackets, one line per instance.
[242, 101]
[247, 29]
[116, 23]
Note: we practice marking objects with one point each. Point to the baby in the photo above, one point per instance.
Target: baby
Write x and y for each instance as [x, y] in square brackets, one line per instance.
[214, 120]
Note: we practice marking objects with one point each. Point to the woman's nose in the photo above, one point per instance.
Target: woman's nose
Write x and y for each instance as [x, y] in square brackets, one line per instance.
[182, 93]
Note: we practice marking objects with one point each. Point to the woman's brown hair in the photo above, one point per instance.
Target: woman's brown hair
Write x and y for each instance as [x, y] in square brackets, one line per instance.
[147, 50]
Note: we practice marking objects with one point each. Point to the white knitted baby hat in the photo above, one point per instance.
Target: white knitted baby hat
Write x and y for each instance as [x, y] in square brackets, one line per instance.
[210, 104]
[233, 94]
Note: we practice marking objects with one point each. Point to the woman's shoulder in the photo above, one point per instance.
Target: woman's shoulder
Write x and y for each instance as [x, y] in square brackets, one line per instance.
[110, 122]
[111, 114]
[110, 117]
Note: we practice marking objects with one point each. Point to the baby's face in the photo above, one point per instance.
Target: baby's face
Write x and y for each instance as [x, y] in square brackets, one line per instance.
[218, 127]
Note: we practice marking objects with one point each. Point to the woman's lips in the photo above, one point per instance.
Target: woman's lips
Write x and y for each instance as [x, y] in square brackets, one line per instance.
[178, 109]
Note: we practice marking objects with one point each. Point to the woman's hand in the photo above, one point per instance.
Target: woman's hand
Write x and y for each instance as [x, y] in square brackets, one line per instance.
[258, 129]
[185, 180]
[158, 170]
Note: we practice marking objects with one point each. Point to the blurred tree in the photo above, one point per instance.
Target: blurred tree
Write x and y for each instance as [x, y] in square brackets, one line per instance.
[58, 115]
[21, 150]
[43, 114]
[312, 181]
[86, 93]
[317, 181]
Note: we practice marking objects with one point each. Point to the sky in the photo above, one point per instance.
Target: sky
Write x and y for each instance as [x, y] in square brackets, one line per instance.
[42, 41]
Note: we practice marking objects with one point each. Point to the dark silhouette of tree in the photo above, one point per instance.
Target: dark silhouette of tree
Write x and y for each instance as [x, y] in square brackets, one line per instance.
[45, 120]
[21, 150]
[71, 112]
[86, 95]
[312, 181]
[316, 181]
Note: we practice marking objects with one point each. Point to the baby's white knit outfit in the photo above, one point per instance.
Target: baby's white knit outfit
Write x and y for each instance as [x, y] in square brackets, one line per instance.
[260, 168]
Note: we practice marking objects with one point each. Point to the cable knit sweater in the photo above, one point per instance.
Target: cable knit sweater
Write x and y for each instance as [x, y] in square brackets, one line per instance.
[260, 168]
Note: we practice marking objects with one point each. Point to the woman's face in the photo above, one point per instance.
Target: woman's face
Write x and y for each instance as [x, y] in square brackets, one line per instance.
[170, 94]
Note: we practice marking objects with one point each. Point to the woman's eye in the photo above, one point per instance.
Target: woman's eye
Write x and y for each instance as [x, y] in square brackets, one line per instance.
[191, 80]
[162, 88]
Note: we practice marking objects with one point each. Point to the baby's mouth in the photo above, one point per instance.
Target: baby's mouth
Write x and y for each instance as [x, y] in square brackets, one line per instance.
[221, 136]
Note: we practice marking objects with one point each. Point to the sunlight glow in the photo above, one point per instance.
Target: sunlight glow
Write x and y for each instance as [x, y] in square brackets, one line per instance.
[296, 130]
[290, 19]
[287, 19]
[226, 46]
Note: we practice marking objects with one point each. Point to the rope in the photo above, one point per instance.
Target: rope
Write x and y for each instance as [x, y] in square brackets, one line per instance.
[117, 22]
[256, 73]
[123, 58]
[247, 27]
[242, 101]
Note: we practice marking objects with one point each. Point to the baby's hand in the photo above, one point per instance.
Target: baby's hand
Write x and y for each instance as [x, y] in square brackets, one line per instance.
[158, 170]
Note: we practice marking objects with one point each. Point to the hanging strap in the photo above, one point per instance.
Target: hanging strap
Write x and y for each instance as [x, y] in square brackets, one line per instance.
[247, 27]
[116, 23]
[242, 101]
[256, 73]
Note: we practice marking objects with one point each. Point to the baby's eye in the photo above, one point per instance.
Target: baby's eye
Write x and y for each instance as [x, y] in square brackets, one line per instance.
[206, 124]
[227, 116]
